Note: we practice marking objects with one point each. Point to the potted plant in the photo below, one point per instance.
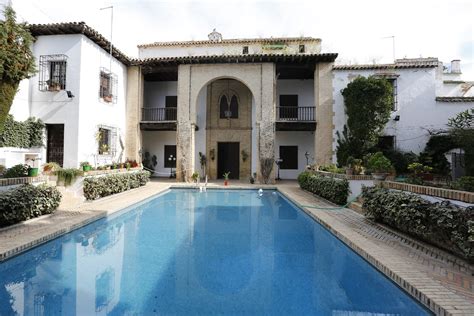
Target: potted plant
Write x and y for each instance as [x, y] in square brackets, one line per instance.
[53, 86]
[108, 98]
[32, 170]
[195, 176]
[50, 167]
[379, 165]
[104, 149]
[419, 173]
[86, 166]
[226, 178]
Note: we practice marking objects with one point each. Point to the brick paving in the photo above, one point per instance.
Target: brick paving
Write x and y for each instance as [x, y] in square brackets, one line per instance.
[442, 282]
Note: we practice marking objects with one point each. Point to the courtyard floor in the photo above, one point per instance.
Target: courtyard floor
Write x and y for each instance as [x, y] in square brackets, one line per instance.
[439, 280]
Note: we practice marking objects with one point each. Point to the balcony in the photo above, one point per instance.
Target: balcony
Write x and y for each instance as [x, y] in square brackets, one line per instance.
[292, 118]
[159, 119]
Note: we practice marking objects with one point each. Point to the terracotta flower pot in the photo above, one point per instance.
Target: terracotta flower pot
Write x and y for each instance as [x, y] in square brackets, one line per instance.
[226, 182]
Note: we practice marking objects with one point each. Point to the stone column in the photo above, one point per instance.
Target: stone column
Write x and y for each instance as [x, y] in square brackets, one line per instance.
[133, 113]
[266, 119]
[323, 99]
[185, 126]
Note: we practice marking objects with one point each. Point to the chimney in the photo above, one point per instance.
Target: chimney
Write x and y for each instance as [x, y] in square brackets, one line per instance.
[455, 66]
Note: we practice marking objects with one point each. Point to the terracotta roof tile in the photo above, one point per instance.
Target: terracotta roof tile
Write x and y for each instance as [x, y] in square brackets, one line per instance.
[455, 99]
[399, 64]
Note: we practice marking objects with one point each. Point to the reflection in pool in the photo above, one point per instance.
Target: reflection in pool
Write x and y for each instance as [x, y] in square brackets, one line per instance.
[185, 252]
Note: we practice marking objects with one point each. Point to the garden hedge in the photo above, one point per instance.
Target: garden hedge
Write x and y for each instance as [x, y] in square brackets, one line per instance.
[443, 224]
[97, 187]
[332, 189]
[25, 134]
[27, 201]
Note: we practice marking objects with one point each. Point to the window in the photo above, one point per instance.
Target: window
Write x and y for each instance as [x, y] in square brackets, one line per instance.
[393, 82]
[170, 156]
[245, 50]
[52, 72]
[386, 142]
[288, 106]
[171, 104]
[301, 49]
[229, 110]
[108, 86]
[106, 139]
[289, 157]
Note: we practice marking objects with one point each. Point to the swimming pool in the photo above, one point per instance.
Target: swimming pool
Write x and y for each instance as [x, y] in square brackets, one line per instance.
[185, 252]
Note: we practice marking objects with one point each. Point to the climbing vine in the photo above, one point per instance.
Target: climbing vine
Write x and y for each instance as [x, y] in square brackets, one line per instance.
[16, 60]
[368, 102]
[25, 134]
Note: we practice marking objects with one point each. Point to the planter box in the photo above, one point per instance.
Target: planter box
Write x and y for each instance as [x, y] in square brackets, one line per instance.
[463, 196]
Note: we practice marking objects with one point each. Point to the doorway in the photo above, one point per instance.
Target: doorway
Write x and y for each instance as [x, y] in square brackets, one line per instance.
[55, 143]
[228, 159]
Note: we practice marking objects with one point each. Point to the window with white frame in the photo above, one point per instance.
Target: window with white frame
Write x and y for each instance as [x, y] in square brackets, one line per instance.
[393, 82]
[107, 86]
[52, 72]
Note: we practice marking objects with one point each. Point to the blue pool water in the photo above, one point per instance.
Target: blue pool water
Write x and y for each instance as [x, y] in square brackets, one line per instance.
[185, 252]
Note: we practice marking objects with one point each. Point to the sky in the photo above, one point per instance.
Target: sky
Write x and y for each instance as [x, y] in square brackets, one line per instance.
[360, 31]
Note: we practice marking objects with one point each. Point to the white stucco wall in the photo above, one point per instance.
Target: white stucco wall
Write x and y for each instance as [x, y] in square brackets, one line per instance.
[93, 111]
[417, 107]
[56, 107]
[219, 49]
[154, 142]
[155, 93]
[303, 88]
[305, 143]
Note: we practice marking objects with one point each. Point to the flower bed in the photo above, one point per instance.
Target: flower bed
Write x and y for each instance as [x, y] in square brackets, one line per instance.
[329, 188]
[27, 201]
[464, 196]
[444, 224]
[97, 187]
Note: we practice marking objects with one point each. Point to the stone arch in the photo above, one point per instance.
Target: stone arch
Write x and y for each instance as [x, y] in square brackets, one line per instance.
[258, 78]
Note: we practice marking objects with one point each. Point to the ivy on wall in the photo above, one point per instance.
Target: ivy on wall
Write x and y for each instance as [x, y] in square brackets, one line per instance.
[25, 134]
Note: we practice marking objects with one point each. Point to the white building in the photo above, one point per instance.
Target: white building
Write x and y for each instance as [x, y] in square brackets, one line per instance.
[70, 93]
[239, 102]
[425, 97]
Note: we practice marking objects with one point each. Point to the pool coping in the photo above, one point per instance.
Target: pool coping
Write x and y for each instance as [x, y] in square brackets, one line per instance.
[424, 289]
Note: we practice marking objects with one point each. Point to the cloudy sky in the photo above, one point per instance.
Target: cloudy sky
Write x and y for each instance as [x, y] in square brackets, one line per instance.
[360, 31]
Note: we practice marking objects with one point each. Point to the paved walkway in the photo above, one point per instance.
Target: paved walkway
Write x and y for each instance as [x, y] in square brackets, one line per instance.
[437, 279]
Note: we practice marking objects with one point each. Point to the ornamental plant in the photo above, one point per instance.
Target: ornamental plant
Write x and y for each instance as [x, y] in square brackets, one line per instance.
[331, 189]
[378, 163]
[368, 103]
[16, 60]
[97, 187]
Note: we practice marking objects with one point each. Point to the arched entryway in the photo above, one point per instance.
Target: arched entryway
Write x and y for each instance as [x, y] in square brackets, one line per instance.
[228, 129]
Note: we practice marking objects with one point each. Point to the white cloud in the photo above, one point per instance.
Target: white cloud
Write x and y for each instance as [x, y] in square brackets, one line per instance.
[354, 29]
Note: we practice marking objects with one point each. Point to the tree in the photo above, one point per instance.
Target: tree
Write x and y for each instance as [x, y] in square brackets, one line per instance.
[16, 60]
[368, 102]
[462, 130]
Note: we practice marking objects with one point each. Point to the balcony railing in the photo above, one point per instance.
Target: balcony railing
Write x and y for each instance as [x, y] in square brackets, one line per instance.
[159, 114]
[297, 114]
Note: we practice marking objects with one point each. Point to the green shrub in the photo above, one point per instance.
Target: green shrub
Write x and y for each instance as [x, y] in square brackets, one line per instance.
[379, 163]
[444, 224]
[97, 187]
[332, 168]
[331, 189]
[27, 201]
[465, 183]
[25, 134]
[17, 171]
[400, 159]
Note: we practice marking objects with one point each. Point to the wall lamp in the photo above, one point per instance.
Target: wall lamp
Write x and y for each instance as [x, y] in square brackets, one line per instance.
[396, 118]
[69, 94]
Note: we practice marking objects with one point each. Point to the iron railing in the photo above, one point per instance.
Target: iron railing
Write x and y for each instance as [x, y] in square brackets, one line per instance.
[159, 114]
[293, 113]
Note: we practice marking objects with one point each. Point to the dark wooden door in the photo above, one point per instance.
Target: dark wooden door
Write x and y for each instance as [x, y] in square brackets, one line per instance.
[55, 143]
[228, 160]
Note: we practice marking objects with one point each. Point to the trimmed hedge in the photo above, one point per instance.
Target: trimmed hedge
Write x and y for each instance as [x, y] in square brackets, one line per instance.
[25, 134]
[331, 189]
[443, 224]
[27, 201]
[97, 187]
